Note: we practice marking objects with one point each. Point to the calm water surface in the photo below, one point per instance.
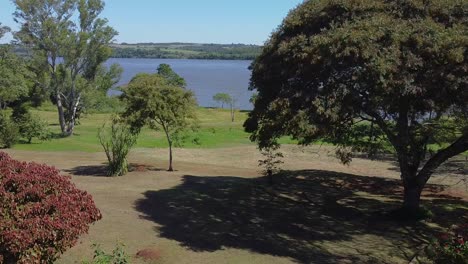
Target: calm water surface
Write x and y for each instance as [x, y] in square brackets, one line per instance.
[204, 77]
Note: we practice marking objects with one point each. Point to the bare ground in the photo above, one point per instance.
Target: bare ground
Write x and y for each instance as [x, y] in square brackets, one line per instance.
[216, 208]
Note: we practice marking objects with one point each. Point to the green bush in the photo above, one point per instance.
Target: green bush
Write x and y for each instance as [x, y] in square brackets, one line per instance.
[30, 126]
[117, 140]
[118, 256]
[9, 132]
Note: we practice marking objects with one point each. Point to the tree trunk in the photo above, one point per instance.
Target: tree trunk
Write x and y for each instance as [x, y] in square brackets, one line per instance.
[232, 113]
[74, 110]
[170, 157]
[61, 115]
[270, 177]
[412, 198]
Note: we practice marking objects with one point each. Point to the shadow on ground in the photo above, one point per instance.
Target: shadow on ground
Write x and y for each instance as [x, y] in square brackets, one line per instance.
[101, 170]
[295, 219]
[91, 170]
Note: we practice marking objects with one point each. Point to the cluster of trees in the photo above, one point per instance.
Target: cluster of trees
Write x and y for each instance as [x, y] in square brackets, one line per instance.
[186, 51]
[226, 99]
[158, 101]
[397, 67]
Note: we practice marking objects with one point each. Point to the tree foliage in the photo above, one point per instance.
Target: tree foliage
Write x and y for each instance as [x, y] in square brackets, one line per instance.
[69, 51]
[30, 125]
[13, 77]
[9, 131]
[222, 98]
[400, 65]
[171, 76]
[152, 100]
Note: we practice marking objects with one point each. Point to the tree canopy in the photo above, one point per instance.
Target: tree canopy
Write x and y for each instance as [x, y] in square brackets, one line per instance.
[398, 66]
[154, 101]
[222, 98]
[71, 42]
[170, 75]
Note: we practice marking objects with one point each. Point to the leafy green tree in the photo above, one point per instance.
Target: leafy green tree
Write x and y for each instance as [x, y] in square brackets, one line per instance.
[30, 126]
[171, 76]
[400, 66]
[9, 132]
[13, 74]
[222, 98]
[151, 100]
[71, 52]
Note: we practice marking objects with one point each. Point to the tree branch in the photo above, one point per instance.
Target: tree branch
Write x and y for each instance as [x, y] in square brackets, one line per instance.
[457, 147]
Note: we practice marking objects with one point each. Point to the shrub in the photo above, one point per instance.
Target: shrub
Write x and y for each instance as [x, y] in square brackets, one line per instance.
[451, 247]
[41, 212]
[118, 256]
[117, 140]
[9, 131]
[30, 126]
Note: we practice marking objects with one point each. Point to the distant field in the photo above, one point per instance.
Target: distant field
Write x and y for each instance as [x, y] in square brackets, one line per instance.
[216, 130]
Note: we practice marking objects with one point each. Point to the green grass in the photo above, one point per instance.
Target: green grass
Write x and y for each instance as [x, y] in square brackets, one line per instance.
[216, 130]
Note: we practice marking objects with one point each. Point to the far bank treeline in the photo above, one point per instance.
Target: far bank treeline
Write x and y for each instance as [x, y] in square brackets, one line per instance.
[180, 51]
[186, 51]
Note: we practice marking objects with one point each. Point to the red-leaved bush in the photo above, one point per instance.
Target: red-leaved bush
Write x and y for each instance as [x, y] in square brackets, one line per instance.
[42, 213]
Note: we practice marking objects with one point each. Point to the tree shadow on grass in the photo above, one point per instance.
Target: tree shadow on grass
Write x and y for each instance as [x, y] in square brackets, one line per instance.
[291, 219]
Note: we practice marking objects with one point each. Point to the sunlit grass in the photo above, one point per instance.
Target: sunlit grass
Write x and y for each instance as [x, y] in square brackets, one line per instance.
[216, 130]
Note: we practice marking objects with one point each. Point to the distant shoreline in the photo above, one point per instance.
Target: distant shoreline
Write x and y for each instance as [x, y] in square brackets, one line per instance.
[186, 51]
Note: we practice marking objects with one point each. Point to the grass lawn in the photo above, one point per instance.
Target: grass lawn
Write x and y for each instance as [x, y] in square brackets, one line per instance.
[216, 130]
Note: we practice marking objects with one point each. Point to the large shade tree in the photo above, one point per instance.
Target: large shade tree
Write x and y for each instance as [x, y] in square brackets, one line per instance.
[72, 42]
[397, 66]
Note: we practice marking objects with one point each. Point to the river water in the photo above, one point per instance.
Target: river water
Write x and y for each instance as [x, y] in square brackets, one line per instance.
[204, 77]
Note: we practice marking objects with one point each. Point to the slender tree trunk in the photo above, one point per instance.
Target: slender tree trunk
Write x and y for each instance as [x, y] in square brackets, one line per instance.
[170, 157]
[169, 141]
[74, 110]
[61, 115]
[232, 113]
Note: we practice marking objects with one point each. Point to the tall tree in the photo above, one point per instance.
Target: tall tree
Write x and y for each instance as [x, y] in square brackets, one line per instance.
[152, 100]
[72, 51]
[170, 75]
[13, 74]
[399, 65]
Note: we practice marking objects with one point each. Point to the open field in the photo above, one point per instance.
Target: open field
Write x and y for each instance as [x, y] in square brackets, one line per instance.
[216, 130]
[216, 208]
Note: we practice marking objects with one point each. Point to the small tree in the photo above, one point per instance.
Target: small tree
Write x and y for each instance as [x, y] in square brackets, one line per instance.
[9, 131]
[30, 125]
[222, 98]
[117, 140]
[271, 162]
[151, 100]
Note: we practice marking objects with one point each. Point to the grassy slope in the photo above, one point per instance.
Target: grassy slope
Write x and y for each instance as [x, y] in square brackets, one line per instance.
[216, 130]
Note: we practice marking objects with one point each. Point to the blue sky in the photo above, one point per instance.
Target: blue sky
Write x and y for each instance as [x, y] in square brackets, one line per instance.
[201, 21]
